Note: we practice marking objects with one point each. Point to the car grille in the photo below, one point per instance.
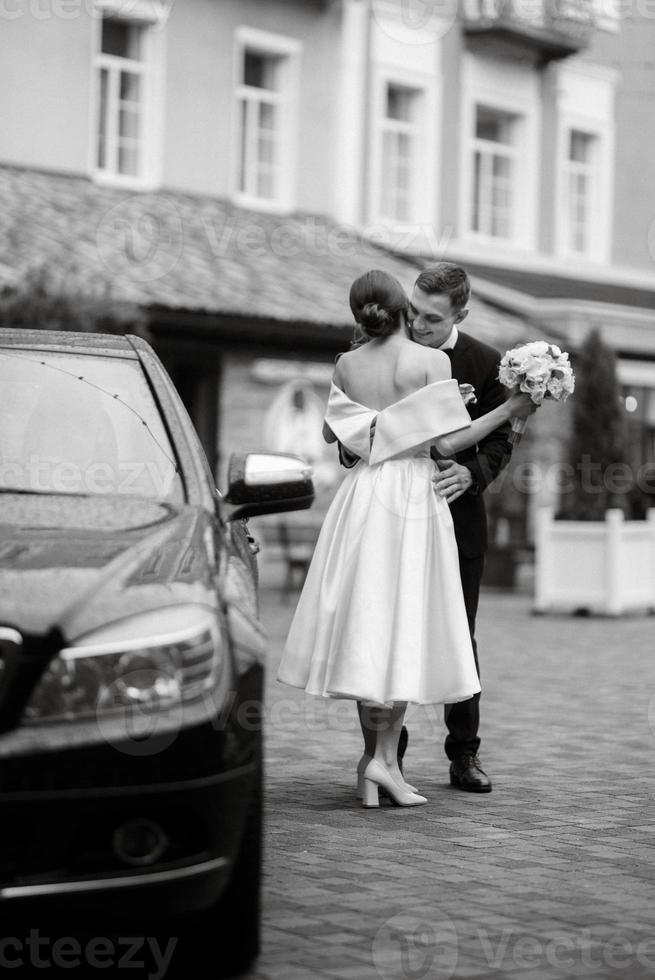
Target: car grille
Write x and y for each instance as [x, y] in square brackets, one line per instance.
[15, 834]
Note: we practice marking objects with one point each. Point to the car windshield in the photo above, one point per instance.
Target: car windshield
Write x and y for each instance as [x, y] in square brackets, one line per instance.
[82, 424]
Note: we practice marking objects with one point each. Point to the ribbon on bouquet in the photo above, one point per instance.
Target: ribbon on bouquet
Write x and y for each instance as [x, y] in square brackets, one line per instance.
[517, 430]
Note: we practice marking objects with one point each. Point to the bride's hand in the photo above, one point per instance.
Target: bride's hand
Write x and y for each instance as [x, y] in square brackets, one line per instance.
[467, 392]
[520, 405]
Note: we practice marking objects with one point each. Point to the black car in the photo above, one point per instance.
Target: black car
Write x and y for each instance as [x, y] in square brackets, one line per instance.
[131, 663]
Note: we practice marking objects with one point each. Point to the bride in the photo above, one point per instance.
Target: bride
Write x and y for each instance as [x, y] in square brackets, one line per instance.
[381, 617]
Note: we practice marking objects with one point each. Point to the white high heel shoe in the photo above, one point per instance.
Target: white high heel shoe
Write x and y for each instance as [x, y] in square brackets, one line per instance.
[376, 777]
[361, 766]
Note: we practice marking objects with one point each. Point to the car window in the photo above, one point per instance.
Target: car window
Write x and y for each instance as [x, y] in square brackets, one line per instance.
[82, 424]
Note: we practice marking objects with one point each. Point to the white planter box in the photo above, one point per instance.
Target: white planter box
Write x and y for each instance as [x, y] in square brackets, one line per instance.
[603, 566]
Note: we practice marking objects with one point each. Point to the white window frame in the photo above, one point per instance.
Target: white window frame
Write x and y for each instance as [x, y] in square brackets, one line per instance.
[508, 151]
[591, 170]
[423, 129]
[393, 130]
[383, 126]
[286, 99]
[519, 189]
[154, 12]
[150, 69]
[482, 85]
[586, 104]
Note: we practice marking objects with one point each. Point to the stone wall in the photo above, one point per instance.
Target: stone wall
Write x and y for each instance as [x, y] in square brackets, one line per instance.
[249, 388]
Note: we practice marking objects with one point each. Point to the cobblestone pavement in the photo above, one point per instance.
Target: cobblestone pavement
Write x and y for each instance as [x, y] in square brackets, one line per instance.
[549, 877]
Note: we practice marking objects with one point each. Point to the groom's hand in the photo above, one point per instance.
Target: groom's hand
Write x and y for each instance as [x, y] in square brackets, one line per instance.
[452, 479]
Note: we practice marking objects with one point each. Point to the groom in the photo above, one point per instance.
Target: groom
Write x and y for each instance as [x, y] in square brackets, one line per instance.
[437, 308]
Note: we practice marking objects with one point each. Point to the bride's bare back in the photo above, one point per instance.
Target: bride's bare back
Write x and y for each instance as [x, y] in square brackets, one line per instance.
[383, 371]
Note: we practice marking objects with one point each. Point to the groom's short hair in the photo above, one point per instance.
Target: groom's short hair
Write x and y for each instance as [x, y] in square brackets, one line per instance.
[446, 277]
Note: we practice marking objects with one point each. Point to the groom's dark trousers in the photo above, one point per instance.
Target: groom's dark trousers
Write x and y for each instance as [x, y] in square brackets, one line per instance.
[474, 363]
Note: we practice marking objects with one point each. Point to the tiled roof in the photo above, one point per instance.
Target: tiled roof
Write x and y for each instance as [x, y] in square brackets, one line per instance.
[198, 253]
[183, 251]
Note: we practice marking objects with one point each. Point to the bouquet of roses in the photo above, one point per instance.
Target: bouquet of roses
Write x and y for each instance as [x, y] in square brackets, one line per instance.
[541, 370]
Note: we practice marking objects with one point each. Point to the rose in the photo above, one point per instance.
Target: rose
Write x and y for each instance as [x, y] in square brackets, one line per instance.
[536, 367]
[535, 378]
[509, 377]
[568, 384]
[538, 347]
[535, 388]
[555, 388]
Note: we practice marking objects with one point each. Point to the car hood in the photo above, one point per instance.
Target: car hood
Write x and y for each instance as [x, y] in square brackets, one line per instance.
[73, 564]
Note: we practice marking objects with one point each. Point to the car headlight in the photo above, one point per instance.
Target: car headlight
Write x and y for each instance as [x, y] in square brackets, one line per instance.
[149, 661]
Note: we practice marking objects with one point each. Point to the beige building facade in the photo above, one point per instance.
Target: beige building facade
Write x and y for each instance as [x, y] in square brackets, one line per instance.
[265, 152]
[448, 125]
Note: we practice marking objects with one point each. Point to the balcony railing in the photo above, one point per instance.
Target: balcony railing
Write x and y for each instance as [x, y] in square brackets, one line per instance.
[554, 28]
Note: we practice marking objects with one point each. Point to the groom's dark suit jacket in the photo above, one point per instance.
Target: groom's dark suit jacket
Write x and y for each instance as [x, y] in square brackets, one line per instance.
[476, 363]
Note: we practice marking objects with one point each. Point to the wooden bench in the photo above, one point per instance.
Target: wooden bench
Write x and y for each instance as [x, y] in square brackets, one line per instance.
[296, 540]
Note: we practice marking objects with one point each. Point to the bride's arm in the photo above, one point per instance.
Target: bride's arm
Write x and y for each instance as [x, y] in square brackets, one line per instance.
[337, 380]
[518, 405]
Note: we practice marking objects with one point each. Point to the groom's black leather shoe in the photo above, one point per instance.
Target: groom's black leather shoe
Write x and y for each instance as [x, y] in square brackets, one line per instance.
[467, 773]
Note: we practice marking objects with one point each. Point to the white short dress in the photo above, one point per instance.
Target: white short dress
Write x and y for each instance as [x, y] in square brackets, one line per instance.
[381, 617]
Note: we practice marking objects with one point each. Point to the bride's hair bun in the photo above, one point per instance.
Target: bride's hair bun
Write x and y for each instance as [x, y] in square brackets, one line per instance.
[377, 300]
[376, 321]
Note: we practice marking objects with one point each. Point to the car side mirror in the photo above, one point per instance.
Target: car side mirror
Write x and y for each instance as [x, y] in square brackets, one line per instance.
[267, 483]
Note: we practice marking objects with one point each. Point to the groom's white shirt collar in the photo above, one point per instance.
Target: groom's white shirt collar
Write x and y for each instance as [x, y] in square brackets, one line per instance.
[450, 340]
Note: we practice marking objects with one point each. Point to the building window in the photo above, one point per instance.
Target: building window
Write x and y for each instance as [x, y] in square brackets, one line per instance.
[121, 76]
[579, 189]
[399, 149]
[260, 111]
[639, 403]
[265, 146]
[639, 445]
[495, 175]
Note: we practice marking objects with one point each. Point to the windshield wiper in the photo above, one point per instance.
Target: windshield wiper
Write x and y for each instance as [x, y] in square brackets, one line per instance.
[44, 493]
